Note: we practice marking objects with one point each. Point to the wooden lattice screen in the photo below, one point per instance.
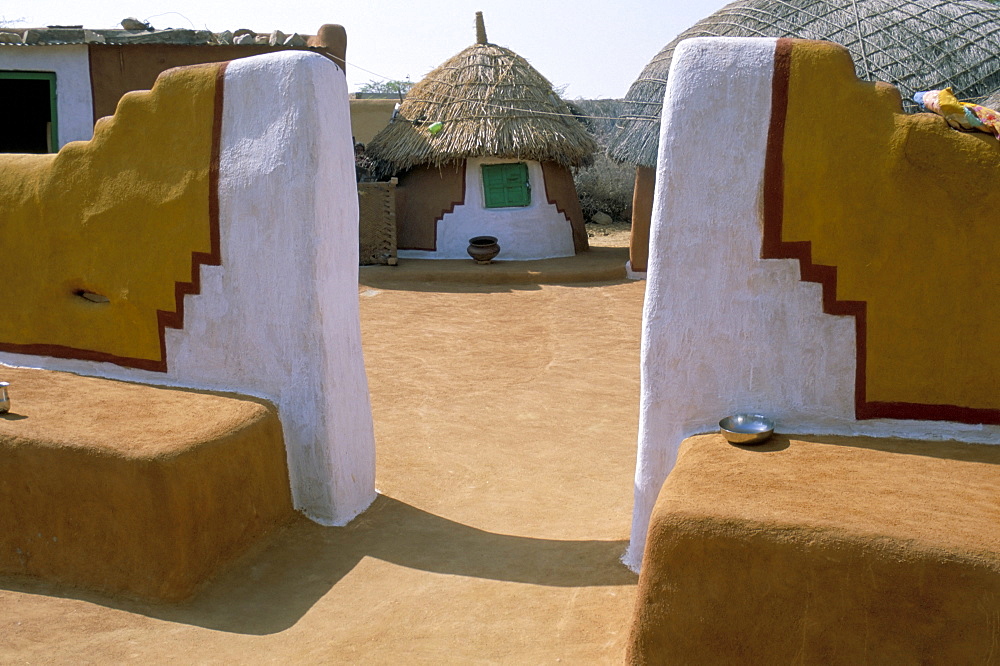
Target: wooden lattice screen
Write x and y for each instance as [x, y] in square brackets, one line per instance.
[377, 208]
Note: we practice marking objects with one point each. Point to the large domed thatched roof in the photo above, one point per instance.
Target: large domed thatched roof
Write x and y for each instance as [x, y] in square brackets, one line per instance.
[992, 101]
[913, 44]
[490, 102]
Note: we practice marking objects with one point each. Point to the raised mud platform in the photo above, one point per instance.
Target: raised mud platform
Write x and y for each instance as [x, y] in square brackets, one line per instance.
[818, 549]
[598, 264]
[133, 489]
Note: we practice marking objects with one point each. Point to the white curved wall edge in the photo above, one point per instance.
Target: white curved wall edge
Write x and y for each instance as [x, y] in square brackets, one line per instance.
[631, 274]
[71, 64]
[536, 231]
[723, 330]
[279, 319]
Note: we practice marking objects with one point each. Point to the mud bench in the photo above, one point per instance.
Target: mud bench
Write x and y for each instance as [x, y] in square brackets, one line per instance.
[132, 489]
[815, 549]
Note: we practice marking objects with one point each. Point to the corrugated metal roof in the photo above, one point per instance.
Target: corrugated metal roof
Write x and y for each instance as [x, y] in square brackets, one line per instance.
[61, 35]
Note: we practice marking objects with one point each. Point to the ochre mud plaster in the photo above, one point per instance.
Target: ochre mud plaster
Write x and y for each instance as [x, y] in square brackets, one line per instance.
[332, 39]
[125, 215]
[905, 213]
[642, 211]
[133, 489]
[464, 557]
[278, 317]
[560, 191]
[423, 197]
[739, 318]
[369, 116]
[823, 550]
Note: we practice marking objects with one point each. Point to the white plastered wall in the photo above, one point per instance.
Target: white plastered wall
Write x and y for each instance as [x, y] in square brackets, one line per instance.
[279, 318]
[725, 331]
[536, 231]
[71, 64]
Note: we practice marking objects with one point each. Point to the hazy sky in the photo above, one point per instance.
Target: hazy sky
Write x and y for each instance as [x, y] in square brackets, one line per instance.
[591, 46]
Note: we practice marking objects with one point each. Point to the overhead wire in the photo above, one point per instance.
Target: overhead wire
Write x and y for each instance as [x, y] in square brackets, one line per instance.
[508, 108]
[503, 107]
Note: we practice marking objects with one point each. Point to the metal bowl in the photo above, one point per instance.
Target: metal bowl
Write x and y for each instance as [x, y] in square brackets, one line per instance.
[746, 428]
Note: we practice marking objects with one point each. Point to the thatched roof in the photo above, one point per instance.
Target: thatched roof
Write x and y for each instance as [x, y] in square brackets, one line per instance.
[991, 101]
[490, 102]
[913, 44]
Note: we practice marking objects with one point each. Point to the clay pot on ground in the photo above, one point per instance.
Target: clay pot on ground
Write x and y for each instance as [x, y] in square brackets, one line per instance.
[483, 249]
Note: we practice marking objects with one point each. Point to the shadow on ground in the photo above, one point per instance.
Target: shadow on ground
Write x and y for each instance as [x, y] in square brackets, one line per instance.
[270, 588]
[597, 265]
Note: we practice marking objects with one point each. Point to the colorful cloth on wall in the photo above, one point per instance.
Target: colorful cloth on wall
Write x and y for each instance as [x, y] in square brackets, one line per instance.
[959, 115]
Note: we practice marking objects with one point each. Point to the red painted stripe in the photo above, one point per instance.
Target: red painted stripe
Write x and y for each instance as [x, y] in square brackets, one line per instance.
[773, 247]
[164, 319]
[175, 319]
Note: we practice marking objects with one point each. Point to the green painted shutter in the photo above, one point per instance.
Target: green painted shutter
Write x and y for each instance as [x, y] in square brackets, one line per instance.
[506, 185]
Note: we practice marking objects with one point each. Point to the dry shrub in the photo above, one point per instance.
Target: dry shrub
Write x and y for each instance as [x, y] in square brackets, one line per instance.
[605, 187]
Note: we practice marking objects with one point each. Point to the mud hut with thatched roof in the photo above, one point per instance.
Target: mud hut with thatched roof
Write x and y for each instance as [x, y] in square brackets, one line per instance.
[483, 146]
[912, 44]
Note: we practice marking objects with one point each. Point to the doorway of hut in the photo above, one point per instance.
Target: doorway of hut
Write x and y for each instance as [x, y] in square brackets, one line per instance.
[28, 115]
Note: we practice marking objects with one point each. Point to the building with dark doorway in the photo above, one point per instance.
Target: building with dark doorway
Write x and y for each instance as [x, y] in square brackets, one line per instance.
[56, 82]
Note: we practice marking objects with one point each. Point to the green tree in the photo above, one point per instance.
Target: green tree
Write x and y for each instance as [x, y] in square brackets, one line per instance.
[388, 87]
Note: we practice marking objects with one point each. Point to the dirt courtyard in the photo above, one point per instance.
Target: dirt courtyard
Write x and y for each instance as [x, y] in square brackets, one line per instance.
[505, 421]
[616, 234]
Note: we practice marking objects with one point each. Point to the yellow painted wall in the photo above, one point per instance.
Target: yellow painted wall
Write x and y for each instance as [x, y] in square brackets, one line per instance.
[119, 215]
[906, 209]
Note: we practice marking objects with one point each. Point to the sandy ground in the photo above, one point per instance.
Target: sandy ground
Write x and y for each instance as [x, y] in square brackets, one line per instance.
[615, 234]
[506, 422]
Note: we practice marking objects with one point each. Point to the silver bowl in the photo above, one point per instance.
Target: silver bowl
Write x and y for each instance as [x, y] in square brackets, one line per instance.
[746, 428]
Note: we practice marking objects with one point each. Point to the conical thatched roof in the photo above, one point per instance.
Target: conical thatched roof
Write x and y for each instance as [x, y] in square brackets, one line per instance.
[490, 102]
[913, 44]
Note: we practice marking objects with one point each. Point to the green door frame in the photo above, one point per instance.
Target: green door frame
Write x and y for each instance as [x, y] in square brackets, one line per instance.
[51, 78]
